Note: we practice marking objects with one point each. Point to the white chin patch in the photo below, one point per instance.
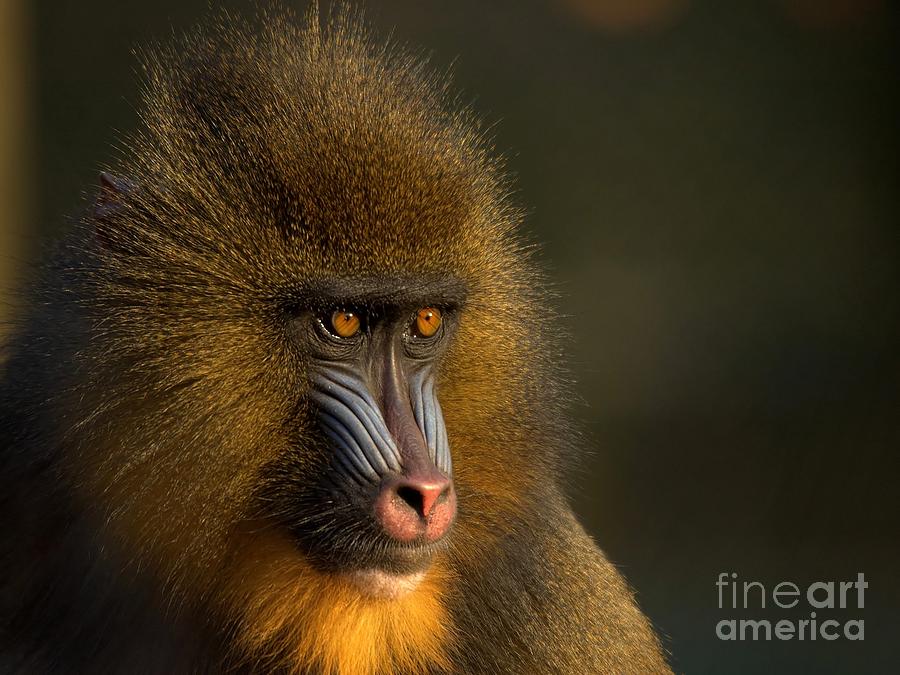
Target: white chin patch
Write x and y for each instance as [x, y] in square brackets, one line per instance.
[383, 585]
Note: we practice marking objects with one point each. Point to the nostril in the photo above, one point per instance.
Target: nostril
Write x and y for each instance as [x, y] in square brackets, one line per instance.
[414, 498]
[410, 507]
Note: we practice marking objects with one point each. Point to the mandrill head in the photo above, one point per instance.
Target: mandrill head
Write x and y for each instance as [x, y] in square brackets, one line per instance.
[298, 400]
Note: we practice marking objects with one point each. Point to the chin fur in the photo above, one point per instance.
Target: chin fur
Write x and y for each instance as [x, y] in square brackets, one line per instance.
[358, 623]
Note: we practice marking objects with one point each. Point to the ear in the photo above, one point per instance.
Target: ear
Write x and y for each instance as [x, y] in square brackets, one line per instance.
[108, 209]
[109, 198]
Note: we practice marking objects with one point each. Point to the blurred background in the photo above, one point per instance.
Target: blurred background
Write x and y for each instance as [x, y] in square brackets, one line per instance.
[716, 185]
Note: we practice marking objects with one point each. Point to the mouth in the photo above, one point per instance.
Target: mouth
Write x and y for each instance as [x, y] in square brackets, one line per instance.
[377, 571]
[381, 585]
[365, 555]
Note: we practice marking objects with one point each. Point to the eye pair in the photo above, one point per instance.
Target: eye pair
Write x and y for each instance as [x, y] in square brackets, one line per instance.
[425, 324]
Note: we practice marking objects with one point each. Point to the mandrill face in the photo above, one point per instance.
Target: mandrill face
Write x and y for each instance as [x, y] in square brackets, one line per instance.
[373, 348]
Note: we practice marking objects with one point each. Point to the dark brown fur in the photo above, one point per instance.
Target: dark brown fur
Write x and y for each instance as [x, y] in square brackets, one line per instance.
[151, 399]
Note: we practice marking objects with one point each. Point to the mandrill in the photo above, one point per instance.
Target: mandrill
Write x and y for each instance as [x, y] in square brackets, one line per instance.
[286, 400]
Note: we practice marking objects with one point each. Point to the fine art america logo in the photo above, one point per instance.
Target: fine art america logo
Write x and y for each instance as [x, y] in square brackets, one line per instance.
[821, 603]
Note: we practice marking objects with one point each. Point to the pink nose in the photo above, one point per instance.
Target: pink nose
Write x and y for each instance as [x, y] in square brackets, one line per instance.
[409, 508]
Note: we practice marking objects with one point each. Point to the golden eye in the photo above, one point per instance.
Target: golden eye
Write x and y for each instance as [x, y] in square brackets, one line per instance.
[345, 324]
[428, 321]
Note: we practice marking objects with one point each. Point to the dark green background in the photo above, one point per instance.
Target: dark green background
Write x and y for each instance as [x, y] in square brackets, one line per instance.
[717, 194]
